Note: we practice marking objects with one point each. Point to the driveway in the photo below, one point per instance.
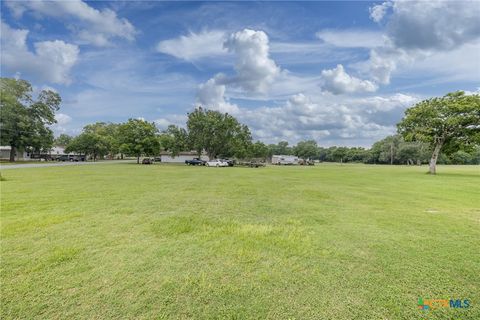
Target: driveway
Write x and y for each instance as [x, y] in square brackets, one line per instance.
[60, 164]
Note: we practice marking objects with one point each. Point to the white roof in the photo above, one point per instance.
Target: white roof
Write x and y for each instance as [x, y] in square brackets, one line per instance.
[55, 149]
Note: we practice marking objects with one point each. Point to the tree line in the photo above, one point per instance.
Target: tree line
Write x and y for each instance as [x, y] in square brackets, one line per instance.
[390, 150]
[109, 140]
[217, 134]
[437, 130]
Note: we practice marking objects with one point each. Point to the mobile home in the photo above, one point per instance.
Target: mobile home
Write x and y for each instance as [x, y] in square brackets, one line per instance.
[20, 154]
[181, 157]
[284, 159]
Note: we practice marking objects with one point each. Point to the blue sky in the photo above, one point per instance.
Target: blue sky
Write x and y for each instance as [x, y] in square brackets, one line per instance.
[341, 73]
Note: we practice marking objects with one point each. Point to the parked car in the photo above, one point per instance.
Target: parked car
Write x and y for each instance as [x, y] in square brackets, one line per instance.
[195, 162]
[230, 162]
[78, 158]
[216, 163]
[304, 162]
[252, 164]
[147, 161]
[64, 157]
[157, 159]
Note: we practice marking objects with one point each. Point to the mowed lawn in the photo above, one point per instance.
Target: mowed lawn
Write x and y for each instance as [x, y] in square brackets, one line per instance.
[333, 241]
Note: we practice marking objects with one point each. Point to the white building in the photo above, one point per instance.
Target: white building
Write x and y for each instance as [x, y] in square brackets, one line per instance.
[181, 157]
[284, 159]
[58, 151]
[20, 154]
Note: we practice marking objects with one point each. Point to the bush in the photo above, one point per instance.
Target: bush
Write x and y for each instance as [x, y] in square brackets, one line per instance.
[461, 157]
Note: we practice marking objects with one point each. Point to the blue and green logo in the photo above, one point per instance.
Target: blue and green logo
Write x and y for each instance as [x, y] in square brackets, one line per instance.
[426, 304]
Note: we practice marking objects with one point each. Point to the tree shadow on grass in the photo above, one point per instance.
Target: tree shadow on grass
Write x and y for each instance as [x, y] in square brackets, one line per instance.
[457, 174]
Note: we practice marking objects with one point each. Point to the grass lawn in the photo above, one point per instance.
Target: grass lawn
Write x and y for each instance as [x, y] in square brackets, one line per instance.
[7, 163]
[178, 242]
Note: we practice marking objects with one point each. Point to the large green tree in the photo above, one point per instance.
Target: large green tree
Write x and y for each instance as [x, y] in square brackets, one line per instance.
[97, 140]
[280, 148]
[356, 154]
[24, 121]
[306, 149]
[413, 152]
[88, 143]
[137, 138]
[476, 155]
[63, 140]
[219, 134]
[259, 150]
[107, 135]
[449, 123]
[385, 150]
[174, 139]
[338, 154]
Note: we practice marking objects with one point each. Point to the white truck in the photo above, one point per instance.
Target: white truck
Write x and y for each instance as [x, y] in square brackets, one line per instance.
[217, 163]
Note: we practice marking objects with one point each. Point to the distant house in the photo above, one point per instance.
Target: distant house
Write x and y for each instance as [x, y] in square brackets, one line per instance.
[52, 154]
[20, 154]
[181, 157]
[57, 151]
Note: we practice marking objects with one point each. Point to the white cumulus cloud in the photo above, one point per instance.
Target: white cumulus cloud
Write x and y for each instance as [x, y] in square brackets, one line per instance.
[194, 46]
[169, 119]
[92, 26]
[255, 70]
[342, 120]
[337, 81]
[62, 119]
[438, 25]
[377, 12]
[384, 61]
[212, 95]
[419, 31]
[51, 61]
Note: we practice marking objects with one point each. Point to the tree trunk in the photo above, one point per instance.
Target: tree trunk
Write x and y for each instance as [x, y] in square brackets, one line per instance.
[433, 160]
[138, 159]
[391, 154]
[13, 150]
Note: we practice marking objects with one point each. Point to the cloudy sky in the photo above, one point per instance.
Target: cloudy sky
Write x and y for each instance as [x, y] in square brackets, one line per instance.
[341, 73]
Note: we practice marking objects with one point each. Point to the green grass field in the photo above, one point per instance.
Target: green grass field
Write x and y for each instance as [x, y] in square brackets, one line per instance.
[7, 163]
[176, 242]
